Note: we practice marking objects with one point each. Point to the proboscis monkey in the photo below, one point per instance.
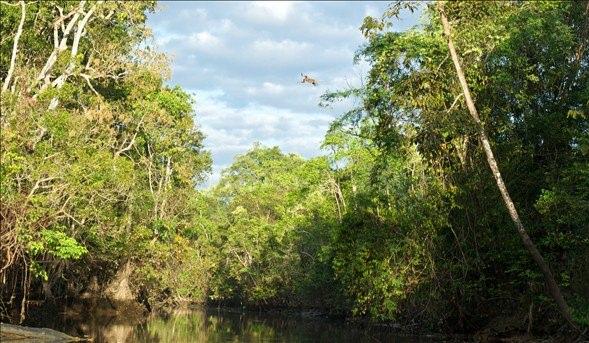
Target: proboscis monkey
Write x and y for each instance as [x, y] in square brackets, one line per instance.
[309, 80]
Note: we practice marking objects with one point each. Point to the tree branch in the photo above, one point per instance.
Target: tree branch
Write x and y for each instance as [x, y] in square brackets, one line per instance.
[454, 103]
[38, 184]
[15, 46]
[130, 145]
[61, 47]
[60, 81]
[87, 78]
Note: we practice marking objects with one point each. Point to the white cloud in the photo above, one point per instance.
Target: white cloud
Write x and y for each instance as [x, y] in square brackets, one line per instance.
[199, 14]
[226, 25]
[272, 88]
[204, 40]
[269, 11]
[163, 39]
[283, 47]
[269, 88]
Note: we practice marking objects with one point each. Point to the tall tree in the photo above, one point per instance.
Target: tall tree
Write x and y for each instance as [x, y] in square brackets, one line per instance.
[534, 111]
[97, 152]
[553, 287]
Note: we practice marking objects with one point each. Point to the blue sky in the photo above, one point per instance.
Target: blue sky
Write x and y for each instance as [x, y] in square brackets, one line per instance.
[243, 60]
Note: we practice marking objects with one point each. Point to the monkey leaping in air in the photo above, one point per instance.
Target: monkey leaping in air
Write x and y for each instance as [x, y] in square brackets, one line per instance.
[309, 80]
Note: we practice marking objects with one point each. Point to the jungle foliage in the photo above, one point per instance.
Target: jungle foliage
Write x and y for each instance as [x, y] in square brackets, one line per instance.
[399, 221]
[106, 177]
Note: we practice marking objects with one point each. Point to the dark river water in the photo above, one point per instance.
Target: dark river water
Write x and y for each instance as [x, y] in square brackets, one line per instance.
[214, 325]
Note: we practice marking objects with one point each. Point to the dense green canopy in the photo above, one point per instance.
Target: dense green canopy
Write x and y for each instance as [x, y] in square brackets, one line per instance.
[399, 221]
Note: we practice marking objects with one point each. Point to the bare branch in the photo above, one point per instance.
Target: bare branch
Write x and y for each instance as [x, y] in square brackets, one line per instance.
[130, 145]
[454, 103]
[62, 18]
[15, 46]
[59, 82]
[109, 15]
[61, 47]
[87, 78]
[38, 184]
[55, 37]
[442, 63]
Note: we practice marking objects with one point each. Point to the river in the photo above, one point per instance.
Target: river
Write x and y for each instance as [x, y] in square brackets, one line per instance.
[222, 325]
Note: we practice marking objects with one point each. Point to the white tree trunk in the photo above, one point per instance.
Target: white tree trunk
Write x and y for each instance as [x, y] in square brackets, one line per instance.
[15, 46]
[60, 81]
[58, 48]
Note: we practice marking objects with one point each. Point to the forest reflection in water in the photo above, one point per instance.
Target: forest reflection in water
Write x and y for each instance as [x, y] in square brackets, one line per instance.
[215, 325]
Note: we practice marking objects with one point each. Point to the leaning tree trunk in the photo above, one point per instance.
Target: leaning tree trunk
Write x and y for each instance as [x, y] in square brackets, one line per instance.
[530, 246]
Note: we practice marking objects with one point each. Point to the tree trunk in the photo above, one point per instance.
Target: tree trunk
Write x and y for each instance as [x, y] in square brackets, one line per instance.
[118, 289]
[529, 245]
[15, 47]
[60, 46]
[60, 81]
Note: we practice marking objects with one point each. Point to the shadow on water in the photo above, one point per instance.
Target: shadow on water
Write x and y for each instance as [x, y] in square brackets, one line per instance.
[216, 325]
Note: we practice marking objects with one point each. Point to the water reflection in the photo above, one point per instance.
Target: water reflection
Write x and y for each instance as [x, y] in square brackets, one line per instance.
[212, 325]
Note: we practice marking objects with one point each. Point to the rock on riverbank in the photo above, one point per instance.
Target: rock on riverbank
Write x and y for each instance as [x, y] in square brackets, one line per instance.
[16, 333]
